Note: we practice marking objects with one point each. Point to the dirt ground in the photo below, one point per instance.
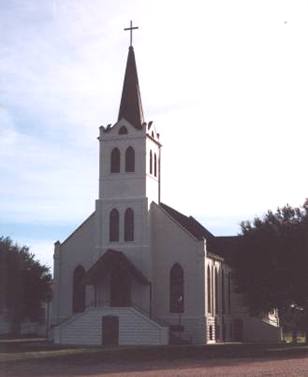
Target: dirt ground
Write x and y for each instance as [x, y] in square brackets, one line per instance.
[248, 367]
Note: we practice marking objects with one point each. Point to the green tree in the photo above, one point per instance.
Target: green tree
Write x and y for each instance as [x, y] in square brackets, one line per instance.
[24, 283]
[271, 263]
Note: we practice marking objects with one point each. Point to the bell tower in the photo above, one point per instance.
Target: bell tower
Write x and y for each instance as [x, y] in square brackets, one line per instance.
[129, 176]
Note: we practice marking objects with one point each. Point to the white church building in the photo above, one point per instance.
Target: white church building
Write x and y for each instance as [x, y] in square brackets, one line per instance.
[136, 271]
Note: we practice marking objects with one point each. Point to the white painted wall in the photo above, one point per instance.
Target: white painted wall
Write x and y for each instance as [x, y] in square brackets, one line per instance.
[128, 184]
[124, 190]
[77, 249]
[4, 326]
[159, 242]
[173, 244]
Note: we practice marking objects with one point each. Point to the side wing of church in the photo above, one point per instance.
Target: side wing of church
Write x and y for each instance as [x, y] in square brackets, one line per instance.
[137, 271]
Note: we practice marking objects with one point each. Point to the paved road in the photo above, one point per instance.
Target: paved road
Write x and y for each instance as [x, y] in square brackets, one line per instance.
[244, 367]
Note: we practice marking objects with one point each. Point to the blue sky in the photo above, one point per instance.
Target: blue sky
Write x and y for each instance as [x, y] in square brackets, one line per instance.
[225, 82]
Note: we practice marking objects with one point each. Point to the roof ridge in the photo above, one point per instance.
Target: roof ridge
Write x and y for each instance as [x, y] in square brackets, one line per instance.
[189, 223]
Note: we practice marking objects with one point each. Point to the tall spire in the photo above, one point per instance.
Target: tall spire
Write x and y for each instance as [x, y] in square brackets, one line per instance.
[131, 106]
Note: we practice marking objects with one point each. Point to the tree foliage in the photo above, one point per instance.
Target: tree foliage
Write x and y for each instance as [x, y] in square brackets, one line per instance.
[271, 263]
[24, 282]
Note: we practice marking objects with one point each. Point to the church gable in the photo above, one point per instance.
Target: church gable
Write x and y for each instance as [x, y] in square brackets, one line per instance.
[75, 253]
[79, 247]
[83, 227]
[170, 235]
[189, 223]
[173, 245]
[215, 249]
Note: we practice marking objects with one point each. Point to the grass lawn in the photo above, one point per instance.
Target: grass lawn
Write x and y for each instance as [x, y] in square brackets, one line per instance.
[36, 348]
[38, 358]
[13, 350]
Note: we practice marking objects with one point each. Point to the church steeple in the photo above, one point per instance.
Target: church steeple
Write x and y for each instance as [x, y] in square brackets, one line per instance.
[130, 149]
[131, 106]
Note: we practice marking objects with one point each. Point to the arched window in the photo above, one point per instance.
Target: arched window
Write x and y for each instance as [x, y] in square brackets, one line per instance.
[151, 162]
[79, 290]
[115, 161]
[216, 292]
[114, 225]
[129, 225]
[123, 131]
[130, 159]
[209, 290]
[155, 165]
[176, 289]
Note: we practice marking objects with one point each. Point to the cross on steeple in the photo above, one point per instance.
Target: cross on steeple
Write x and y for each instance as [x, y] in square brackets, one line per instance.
[131, 28]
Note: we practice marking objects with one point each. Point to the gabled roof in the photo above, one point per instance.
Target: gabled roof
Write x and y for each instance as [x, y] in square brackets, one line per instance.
[131, 106]
[85, 222]
[110, 260]
[225, 246]
[189, 223]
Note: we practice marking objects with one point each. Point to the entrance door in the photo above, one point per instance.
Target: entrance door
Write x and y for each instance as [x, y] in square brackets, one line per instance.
[110, 330]
[120, 288]
[238, 330]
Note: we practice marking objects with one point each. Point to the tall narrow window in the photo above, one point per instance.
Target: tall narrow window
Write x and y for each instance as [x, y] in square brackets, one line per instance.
[176, 289]
[230, 332]
[114, 225]
[209, 290]
[211, 335]
[151, 162]
[79, 290]
[129, 225]
[115, 161]
[223, 291]
[212, 289]
[155, 165]
[130, 159]
[216, 292]
[229, 292]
